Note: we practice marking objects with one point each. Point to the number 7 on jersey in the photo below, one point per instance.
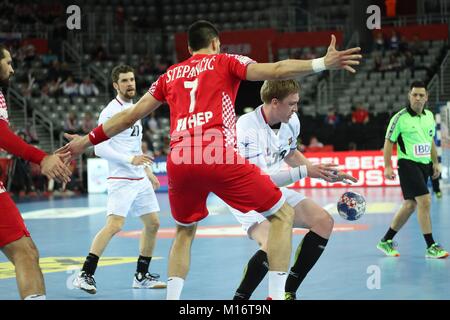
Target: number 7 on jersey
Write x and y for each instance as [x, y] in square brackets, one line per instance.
[191, 85]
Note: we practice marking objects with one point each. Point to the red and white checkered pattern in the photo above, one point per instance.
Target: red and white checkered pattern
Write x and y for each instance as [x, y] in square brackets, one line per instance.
[153, 87]
[242, 59]
[229, 121]
[3, 108]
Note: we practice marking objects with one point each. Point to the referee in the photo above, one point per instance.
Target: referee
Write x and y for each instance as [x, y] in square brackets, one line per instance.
[413, 129]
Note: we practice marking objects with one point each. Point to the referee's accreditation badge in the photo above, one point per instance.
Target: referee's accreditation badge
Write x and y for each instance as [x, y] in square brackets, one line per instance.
[422, 149]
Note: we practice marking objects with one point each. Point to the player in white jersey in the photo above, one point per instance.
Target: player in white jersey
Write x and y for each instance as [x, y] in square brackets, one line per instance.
[131, 186]
[267, 137]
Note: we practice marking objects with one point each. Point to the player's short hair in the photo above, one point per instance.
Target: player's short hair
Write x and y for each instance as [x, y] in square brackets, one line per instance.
[418, 84]
[117, 70]
[2, 51]
[200, 34]
[278, 89]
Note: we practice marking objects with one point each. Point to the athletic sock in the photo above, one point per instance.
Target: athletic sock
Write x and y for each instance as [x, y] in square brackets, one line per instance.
[390, 234]
[308, 252]
[429, 239]
[174, 287]
[277, 281]
[254, 273]
[36, 297]
[90, 264]
[143, 264]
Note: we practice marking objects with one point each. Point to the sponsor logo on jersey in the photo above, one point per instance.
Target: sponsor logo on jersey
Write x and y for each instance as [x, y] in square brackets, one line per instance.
[194, 120]
[422, 149]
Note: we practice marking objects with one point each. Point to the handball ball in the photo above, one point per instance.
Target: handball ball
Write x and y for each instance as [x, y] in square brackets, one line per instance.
[351, 206]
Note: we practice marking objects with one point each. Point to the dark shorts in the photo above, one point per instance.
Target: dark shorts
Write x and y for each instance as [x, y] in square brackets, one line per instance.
[414, 178]
[12, 227]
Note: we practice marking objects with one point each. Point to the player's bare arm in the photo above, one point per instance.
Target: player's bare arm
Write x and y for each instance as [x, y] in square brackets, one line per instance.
[327, 172]
[52, 166]
[142, 159]
[113, 126]
[387, 152]
[434, 158]
[153, 179]
[288, 69]
[295, 158]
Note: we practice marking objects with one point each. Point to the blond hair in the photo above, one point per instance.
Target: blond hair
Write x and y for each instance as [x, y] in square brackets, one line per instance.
[278, 89]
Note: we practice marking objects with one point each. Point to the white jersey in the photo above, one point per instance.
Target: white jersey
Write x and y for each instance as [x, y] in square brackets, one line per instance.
[126, 144]
[261, 145]
[266, 148]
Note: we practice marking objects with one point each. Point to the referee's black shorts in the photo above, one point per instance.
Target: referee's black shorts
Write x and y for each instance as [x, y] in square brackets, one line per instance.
[414, 178]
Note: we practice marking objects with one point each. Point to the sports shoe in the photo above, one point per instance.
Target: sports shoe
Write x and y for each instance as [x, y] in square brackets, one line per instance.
[147, 281]
[388, 248]
[85, 282]
[290, 296]
[435, 251]
[438, 194]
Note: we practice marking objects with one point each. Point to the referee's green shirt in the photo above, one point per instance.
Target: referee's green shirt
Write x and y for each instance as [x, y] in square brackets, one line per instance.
[413, 134]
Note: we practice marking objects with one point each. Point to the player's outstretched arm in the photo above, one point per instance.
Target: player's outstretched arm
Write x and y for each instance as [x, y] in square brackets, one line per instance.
[52, 166]
[113, 126]
[289, 69]
[295, 159]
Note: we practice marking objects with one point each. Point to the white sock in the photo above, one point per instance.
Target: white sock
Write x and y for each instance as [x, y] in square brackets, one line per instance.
[174, 287]
[277, 281]
[36, 297]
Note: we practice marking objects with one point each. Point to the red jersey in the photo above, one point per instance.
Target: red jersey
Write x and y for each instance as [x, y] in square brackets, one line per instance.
[12, 143]
[4, 117]
[3, 109]
[200, 92]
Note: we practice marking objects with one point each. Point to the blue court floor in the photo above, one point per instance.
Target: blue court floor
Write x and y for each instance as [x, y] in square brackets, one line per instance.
[351, 267]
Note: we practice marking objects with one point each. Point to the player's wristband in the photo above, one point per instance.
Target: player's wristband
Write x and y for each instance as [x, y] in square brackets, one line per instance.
[298, 173]
[97, 135]
[303, 171]
[318, 65]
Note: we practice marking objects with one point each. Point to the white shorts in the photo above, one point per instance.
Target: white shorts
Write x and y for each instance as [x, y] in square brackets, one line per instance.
[247, 220]
[131, 197]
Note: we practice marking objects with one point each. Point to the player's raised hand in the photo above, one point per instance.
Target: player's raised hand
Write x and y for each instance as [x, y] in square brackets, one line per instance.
[336, 60]
[325, 171]
[142, 160]
[53, 167]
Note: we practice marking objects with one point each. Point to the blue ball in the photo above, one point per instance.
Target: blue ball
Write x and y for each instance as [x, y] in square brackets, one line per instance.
[351, 206]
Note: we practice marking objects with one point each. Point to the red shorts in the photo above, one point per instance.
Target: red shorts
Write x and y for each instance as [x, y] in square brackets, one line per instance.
[239, 183]
[12, 227]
